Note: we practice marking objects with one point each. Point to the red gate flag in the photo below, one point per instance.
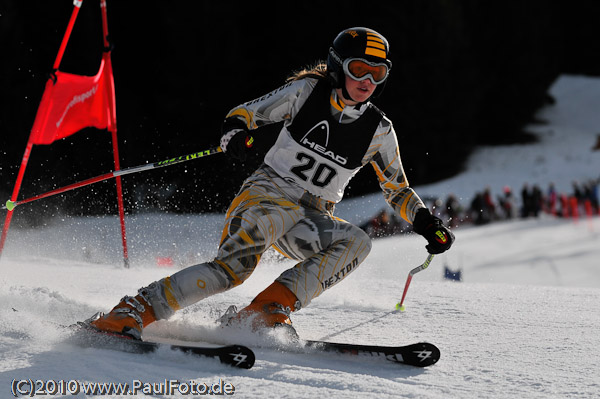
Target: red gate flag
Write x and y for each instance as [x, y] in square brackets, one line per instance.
[70, 103]
[73, 102]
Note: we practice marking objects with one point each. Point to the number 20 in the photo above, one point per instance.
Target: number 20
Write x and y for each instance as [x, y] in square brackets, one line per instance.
[322, 175]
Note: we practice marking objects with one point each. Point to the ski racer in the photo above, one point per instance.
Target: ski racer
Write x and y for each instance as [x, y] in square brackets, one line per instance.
[330, 132]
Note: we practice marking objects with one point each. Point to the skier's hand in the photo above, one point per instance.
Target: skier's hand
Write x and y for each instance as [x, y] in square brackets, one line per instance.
[236, 140]
[439, 237]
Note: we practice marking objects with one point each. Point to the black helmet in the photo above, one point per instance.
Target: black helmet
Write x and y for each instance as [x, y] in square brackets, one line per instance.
[362, 43]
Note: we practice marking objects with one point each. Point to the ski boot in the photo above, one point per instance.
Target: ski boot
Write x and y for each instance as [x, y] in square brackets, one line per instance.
[128, 318]
[270, 309]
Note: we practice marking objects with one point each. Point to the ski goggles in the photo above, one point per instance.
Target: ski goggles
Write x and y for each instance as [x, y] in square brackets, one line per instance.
[360, 69]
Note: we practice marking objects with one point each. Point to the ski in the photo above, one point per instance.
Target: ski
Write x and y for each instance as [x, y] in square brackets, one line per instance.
[234, 355]
[422, 354]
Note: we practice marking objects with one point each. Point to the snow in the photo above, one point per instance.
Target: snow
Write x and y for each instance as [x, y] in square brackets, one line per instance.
[523, 322]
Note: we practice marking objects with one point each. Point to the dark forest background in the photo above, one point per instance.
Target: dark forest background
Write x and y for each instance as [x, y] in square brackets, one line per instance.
[465, 73]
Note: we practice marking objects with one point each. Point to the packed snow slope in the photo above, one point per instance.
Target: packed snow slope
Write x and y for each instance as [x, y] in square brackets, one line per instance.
[523, 323]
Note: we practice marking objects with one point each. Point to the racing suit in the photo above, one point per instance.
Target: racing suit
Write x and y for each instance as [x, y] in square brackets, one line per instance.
[288, 202]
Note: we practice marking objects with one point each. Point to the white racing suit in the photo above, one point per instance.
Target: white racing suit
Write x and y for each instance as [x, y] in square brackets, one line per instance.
[288, 202]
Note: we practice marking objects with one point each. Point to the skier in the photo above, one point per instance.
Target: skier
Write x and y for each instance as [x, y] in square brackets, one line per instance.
[330, 131]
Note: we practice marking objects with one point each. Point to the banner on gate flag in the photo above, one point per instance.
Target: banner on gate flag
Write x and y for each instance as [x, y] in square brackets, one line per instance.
[73, 102]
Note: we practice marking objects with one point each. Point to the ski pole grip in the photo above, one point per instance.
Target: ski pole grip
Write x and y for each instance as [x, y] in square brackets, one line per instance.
[409, 279]
[422, 267]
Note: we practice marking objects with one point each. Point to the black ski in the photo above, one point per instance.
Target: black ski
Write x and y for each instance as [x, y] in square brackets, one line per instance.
[234, 355]
[422, 354]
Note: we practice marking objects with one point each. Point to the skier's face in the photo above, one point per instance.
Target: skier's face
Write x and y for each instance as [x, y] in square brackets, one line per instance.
[360, 91]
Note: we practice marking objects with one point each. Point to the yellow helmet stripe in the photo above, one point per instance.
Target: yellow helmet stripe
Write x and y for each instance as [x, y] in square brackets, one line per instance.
[375, 46]
[375, 37]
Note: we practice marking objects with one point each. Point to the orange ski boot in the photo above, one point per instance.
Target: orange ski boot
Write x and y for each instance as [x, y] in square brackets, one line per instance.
[128, 318]
[271, 308]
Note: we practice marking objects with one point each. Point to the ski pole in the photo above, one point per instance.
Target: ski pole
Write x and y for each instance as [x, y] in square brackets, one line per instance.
[400, 305]
[10, 205]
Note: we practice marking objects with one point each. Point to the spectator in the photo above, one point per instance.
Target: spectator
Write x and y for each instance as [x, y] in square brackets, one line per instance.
[379, 226]
[489, 206]
[452, 210]
[526, 198]
[536, 200]
[507, 203]
[552, 199]
[478, 210]
[594, 189]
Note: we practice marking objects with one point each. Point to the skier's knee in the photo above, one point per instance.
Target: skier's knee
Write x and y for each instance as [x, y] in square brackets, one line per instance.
[364, 240]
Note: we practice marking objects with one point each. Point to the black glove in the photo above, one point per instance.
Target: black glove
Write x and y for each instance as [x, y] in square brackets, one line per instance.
[236, 140]
[440, 238]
